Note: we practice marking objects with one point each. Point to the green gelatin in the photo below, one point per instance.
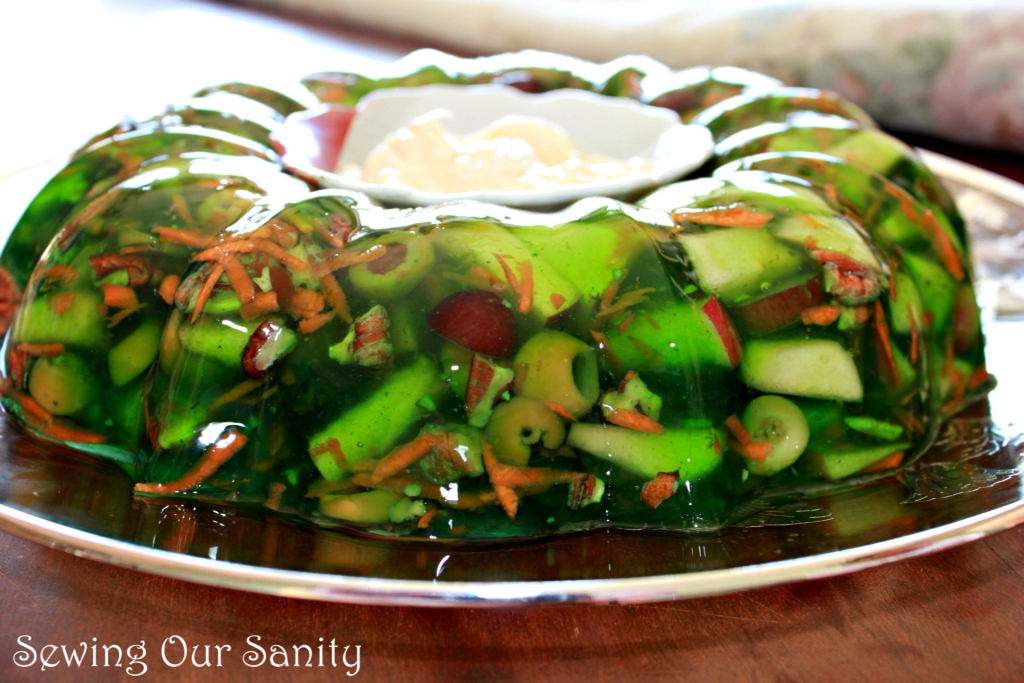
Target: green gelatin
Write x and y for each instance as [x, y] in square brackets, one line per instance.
[811, 281]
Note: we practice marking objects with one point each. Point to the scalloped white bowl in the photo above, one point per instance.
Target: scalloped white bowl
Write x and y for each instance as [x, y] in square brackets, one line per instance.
[617, 127]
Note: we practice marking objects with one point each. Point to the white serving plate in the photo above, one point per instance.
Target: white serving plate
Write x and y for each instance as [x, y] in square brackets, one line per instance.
[674, 149]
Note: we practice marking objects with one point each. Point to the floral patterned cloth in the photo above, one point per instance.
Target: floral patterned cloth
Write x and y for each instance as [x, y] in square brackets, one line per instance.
[953, 68]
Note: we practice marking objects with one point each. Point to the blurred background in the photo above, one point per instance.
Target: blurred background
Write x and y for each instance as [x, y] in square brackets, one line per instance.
[949, 69]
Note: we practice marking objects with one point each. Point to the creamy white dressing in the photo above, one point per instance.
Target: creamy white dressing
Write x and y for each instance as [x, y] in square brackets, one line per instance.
[513, 153]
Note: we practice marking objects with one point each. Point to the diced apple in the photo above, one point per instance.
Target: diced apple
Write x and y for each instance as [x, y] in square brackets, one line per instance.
[779, 310]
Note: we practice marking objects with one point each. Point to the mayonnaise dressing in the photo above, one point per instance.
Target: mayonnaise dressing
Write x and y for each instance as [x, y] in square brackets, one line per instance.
[513, 153]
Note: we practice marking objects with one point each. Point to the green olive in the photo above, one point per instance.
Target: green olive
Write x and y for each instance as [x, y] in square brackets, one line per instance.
[62, 385]
[369, 507]
[557, 367]
[779, 422]
[518, 424]
[408, 257]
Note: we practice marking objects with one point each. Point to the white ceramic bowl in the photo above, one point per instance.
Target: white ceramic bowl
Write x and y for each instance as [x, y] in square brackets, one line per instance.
[617, 127]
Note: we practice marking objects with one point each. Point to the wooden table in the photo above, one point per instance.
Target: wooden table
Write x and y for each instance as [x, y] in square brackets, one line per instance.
[953, 616]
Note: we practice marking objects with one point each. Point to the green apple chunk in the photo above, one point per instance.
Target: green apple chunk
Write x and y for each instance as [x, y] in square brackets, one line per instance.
[223, 340]
[833, 233]
[63, 385]
[815, 368]
[691, 452]
[838, 463]
[677, 335]
[557, 367]
[588, 254]
[489, 246]
[907, 309]
[406, 261]
[372, 427]
[935, 285]
[779, 422]
[80, 323]
[134, 353]
[871, 149]
[736, 264]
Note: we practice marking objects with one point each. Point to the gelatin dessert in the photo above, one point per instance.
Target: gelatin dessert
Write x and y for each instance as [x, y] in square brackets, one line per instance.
[797, 313]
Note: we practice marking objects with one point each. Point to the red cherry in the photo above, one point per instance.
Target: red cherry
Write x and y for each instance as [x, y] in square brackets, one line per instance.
[476, 320]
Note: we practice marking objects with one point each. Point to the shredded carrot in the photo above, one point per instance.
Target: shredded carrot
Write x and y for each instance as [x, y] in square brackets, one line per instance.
[274, 493]
[625, 301]
[286, 234]
[311, 325]
[525, 269]
[718, 446]
[181, 208]
[882, 332]
[753, 450]
[886, 463]
[329, 237]
[398, 484]
[483, 279]
[239, 278]
[625, 380]
[41, 349]
[60, 272]
[606, 350]
[513, 281]
[738, 430]
[830, 192]
[216, 455]
[943, 245]
[820, 315]
[333, 446]
[168, 286]
[905, 200]
[913, 335]
[557, 300]
[560, 410]
[631, 419]
[261, 304]
[68, 434]
[236, 392]
[609, 293]
[507, 497]
[119, 296]
[221, 252]
[405, 455]
[334, 295]
[188, 238]
[322, 487]
[624, 325]
[62, 302]
[32, 406]
[348, 258]
[978, 377]
[425, 520]
[305, 303]
[204, 293]
[660, 489]
[734, 217]
[861, 314]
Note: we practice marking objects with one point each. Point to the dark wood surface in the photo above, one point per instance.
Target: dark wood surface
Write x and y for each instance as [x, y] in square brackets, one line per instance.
[953, 616]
